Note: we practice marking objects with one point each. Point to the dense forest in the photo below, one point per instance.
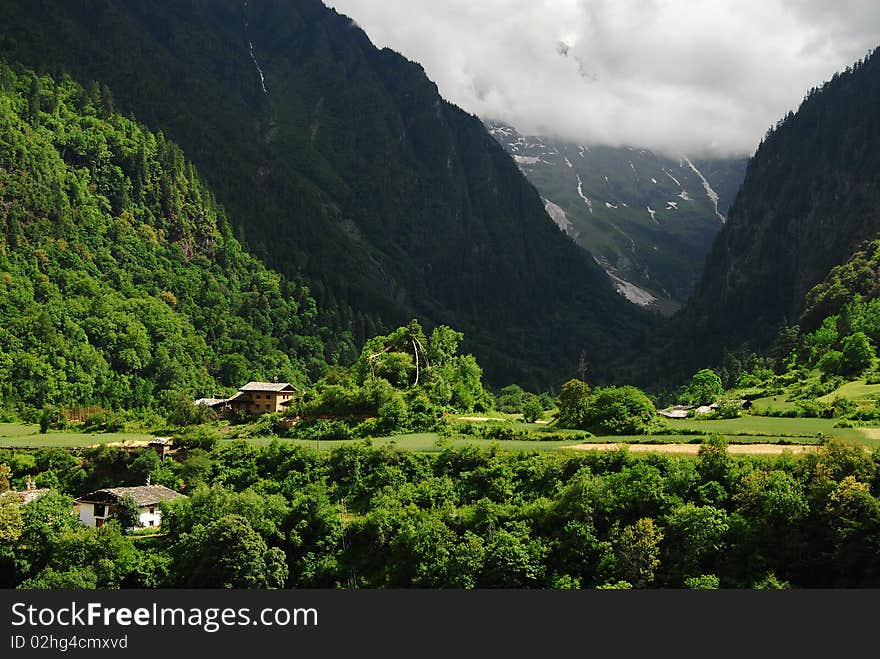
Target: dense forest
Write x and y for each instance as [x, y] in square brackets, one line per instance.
[345, 166]
[120, 282]
[808, 203]
[362, 517]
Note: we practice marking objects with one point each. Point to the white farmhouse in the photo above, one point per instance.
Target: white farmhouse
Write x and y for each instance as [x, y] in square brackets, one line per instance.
[96, 507]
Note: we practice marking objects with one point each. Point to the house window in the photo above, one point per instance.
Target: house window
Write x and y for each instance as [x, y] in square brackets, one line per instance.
[99, 523]
[152, 523]
[152, 510]
[100, 510]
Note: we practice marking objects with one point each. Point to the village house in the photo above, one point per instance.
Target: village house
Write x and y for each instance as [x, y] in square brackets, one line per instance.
[30, 493]
[97, 507]
[255, 398]
[164, 446]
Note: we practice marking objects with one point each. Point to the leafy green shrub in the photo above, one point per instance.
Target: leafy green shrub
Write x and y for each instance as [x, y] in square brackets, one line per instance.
[704, 388]
[856, 354]
[183, 412]
[727, 409]
[322, 429]
[532, 410]
[702, 582]
[52, 417]
[103, 421]
[871, 413]
[841, 406]
[199, 437]
[510, 399]
[620, 411]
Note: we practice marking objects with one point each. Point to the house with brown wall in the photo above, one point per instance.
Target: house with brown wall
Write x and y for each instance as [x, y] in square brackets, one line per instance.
[262, 397]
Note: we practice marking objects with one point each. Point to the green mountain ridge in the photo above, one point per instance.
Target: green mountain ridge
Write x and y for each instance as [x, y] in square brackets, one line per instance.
[810, 199]
[789, 257]
[341, 163]
[120, 282]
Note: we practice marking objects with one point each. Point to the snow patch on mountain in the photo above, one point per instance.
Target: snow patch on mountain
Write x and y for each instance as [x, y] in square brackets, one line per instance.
[672, 205]
[684, 196]
[568, 162]
[672, 177]
[635, 294]
[653, 213]
[529, 160]
[253, 56]
[582, 195]
[501, 130]
[559, 217]
[259, 70]
[713, 196]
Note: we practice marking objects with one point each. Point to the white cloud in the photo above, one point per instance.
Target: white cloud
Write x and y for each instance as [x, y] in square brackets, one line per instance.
[703, 77]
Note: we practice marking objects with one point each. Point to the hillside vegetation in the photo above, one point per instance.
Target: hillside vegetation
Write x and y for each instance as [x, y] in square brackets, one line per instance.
[809, 201]
[340, 162]
[120, 281]
[361, 517]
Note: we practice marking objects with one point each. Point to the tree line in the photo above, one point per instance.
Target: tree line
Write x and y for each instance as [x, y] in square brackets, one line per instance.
[363, 517]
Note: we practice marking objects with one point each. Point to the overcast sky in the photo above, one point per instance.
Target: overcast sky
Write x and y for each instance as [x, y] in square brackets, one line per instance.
[702, 77]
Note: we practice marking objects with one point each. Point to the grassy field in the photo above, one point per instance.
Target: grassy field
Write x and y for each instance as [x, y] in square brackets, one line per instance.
[744, 430]
[765, 428]
[23, 435]
[856, 390]
[425, 441]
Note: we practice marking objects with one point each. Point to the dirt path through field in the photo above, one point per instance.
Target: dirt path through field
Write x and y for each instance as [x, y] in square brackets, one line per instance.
[692, 449]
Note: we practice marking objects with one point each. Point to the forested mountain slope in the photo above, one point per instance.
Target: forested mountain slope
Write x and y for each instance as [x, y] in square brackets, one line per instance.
[342, 162]
[811, 197]
[120, 281]
[809, 202]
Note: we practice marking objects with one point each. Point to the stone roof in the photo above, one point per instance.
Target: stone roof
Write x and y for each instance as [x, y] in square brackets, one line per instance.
[209, 402]
[267, 386]
[28, 495]
[144, 495]
[676, 411]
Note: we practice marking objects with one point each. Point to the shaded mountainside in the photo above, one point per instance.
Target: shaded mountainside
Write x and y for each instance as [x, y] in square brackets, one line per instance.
[648, 219]
[341, 162]
[810, 199]
[120, 281]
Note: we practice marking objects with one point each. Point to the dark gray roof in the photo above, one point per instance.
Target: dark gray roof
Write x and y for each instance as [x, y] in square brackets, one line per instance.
[144, 495]
[268, 386]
